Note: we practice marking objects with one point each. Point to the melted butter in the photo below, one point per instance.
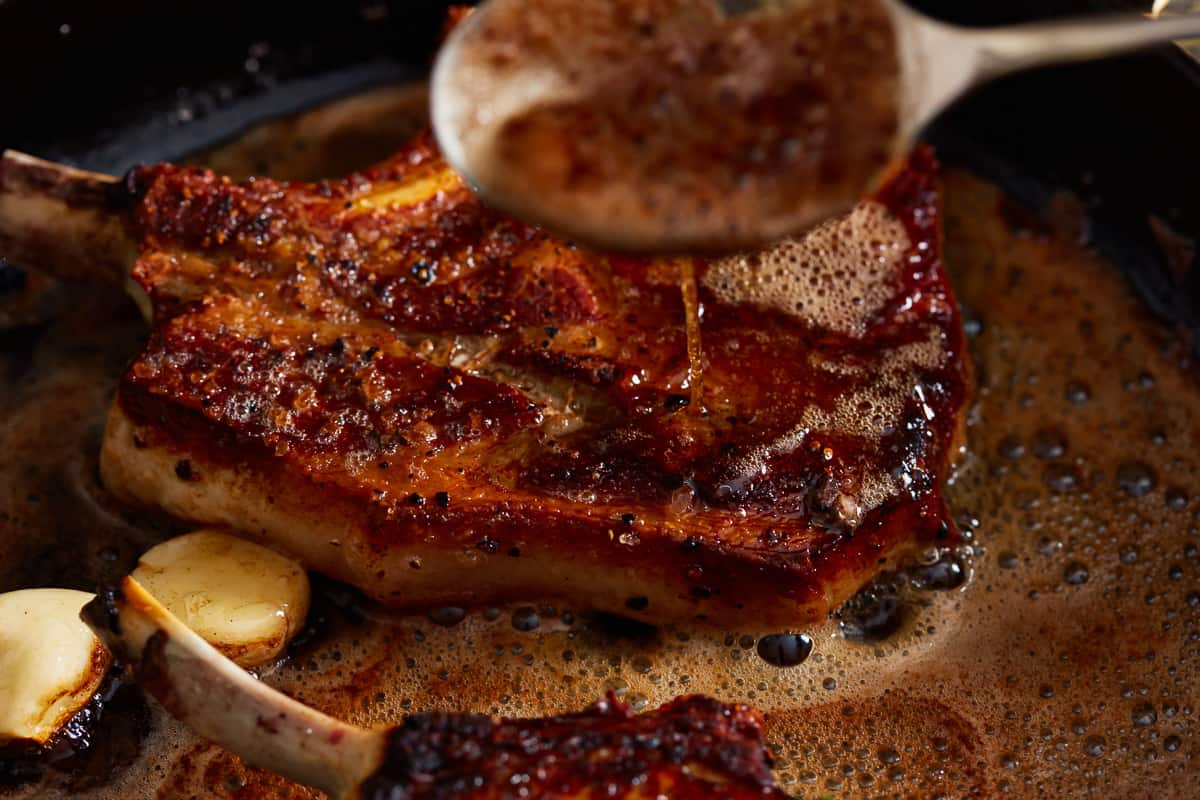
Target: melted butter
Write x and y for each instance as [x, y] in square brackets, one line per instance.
[836, 277]
[671, 125]
[1066, 667]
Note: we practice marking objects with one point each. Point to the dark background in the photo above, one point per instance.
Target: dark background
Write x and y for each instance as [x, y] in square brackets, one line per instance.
[109, 84]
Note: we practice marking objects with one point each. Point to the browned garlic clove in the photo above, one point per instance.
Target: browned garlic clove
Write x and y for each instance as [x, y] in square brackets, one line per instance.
[51, 664]
[244, 599]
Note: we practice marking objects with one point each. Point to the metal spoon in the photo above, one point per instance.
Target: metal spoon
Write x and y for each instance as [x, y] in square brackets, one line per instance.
[673, 125]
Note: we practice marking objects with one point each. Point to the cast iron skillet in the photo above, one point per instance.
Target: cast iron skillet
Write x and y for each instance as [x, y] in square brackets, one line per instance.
[107, 85]
[131, 82]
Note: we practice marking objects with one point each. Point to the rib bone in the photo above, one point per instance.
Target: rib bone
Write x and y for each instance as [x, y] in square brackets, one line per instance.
[692, 747]
[66, 222]
[214, 697]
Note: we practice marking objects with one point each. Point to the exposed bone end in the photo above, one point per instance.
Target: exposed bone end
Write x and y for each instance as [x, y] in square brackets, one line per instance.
[215, 698]
[694, 746]
[50, 663]
[64, 221]
[244, 599]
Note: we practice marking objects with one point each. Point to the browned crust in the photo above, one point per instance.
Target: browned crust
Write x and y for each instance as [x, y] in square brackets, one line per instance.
[691, 748]
[304, 365]
[497, 551]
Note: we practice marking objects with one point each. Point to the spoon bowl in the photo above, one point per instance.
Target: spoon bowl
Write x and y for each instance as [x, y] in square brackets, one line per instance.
[693, 125]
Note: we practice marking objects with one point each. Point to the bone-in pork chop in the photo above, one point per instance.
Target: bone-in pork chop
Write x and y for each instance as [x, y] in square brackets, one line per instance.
[441, 405]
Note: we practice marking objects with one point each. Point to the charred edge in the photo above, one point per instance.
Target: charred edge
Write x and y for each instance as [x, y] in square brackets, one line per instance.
[606, 746]
[69, 751]
[103, 613]
[126, 193]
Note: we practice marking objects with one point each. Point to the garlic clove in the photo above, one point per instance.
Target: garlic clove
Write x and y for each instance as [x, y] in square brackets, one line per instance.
[51, 664]
[246, 600]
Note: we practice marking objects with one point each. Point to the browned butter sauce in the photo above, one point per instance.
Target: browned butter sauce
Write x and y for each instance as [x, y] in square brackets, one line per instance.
[1065, 667]
[670, 123]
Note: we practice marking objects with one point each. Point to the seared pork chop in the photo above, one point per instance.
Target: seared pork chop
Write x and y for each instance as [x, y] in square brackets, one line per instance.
[420, 396]
[692, 747]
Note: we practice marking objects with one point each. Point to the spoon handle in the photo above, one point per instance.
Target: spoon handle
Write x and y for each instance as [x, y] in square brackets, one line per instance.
[941, 62]
[1018, 47]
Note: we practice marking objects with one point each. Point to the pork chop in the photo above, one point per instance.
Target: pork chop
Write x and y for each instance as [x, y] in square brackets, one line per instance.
[439, 404]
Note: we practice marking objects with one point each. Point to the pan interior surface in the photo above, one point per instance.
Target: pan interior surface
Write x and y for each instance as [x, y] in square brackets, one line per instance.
[1065, 666]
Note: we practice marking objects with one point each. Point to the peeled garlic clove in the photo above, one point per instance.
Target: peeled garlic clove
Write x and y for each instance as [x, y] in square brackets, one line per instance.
[244, 599]
[51, 664]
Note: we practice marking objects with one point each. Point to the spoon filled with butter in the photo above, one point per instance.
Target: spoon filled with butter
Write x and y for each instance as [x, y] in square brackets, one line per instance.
[716, 125]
